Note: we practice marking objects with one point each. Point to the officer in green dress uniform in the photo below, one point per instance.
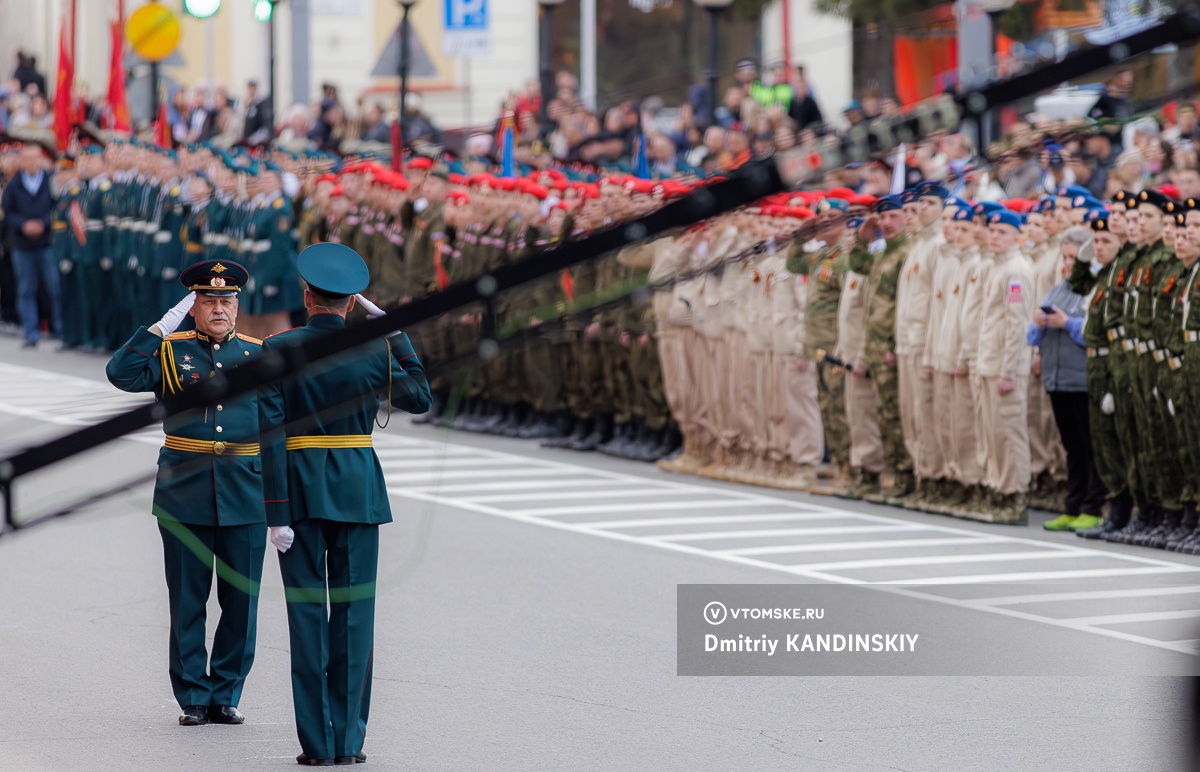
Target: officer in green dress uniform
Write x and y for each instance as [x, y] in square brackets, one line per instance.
[325, 498]
[208, 495]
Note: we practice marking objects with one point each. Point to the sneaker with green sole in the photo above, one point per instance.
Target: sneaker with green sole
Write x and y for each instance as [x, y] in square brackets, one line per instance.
[1061, 523]
[1083, 522]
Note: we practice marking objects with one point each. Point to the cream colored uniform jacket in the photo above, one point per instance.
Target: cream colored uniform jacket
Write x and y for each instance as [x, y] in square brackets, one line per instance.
[852, 318]
[707, 310]
[1007, 309]
[941, 347]
[949, 354]
[915, 289]
[788, 297]
[671, 258]
[971, 316]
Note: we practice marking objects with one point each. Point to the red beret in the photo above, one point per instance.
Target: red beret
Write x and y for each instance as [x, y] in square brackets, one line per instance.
[337, 191]
[421, 162]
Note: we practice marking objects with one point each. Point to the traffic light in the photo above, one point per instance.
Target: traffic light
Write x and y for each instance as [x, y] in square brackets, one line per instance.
[263, 10]
[201, 9]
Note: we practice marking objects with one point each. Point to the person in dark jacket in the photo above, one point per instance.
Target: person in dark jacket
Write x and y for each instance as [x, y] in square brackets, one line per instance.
[27, 204]
[1059, 337]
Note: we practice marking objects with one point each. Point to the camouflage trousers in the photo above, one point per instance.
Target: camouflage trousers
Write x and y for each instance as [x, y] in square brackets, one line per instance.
[1123, 366]
[1106, 439]
[887, 411]
[1173, 452]
[831, 392]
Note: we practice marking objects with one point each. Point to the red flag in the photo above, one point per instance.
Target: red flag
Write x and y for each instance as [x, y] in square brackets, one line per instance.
[162, 126]
[63, 107]
[397, 148]
[117, 105]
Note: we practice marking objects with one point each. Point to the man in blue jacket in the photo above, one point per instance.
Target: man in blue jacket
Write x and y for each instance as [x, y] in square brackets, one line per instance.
[28, 204]
[326, 498]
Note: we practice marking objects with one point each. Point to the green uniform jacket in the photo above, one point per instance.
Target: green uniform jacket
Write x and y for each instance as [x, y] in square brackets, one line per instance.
[338, 396]
[881, 300]
[198, 488]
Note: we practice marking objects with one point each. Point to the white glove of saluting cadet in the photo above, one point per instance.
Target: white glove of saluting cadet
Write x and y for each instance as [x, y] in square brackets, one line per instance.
[170, 321]
[373, 311]
[282, 537]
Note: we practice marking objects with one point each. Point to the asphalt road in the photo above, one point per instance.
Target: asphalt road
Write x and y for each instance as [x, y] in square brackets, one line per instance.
[527, 620]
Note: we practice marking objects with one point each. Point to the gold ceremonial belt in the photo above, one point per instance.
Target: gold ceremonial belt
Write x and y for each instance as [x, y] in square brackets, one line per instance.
[329, 441]
[215, 448]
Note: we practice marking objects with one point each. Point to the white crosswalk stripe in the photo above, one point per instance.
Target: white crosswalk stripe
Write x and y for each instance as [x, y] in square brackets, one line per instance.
[922, 557]
[778, 528]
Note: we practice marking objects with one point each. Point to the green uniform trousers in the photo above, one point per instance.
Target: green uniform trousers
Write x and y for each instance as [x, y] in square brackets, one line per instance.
[832, 395]
[1106, 439]
[190, 553]
[331, 650]
[887, 411]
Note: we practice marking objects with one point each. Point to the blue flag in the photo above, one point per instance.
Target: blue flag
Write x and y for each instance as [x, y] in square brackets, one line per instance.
[641, 162]
[508, 164]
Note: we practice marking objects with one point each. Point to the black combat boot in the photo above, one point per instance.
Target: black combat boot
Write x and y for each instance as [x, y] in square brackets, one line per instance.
[601, 432]
[579, 428]
[1119, 510]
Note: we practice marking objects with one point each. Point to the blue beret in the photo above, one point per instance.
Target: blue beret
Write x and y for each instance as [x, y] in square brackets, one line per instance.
[825, 204]
[932, 189]
[1046, 205]
[888, 204]
[962, 203]
[1095, 213]
[854, 223]
[219, 278]
[1071, 191]
[1005, 217]
[909, 196]
[1084, 202]
[962, 214]
[334, 270]
[93, 149]
[986, 208]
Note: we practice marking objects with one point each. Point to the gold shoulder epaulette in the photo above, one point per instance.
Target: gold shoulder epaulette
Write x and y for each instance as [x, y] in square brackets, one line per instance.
[248, 339]
[278, 203]
[174, 190]
[183, 335]
[105, 185]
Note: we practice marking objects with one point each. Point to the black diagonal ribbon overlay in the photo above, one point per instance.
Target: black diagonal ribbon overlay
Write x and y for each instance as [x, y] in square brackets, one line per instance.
[758, 180]
[755, 181]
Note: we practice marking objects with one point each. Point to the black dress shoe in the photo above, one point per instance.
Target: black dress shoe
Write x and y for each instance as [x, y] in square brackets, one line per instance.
[305, 761]
[345, 761]
[225, 714]
[194, 715]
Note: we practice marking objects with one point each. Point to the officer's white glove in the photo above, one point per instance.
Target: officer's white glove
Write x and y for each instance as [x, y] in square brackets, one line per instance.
[877, 246]
[1171, 408]
[373, 311]
[106, 264]
[169, 273]
[282, 537]
[269, 292]
[170, 321]
[65, 266]
[1108, 405]
[420, 205]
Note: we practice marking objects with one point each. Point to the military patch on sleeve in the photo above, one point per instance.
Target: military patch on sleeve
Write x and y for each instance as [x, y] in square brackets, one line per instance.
[1014, 292]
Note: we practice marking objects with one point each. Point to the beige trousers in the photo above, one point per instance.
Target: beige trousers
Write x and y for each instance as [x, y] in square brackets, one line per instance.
[942, 438]
[931, 421]
[866, 446]
[908, 373]
[775, 405]
[1007, 429]
[802, 423]
[966, 464]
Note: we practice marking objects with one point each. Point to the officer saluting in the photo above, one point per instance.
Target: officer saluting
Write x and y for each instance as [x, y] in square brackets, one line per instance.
[207, 497]
[325, 498]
